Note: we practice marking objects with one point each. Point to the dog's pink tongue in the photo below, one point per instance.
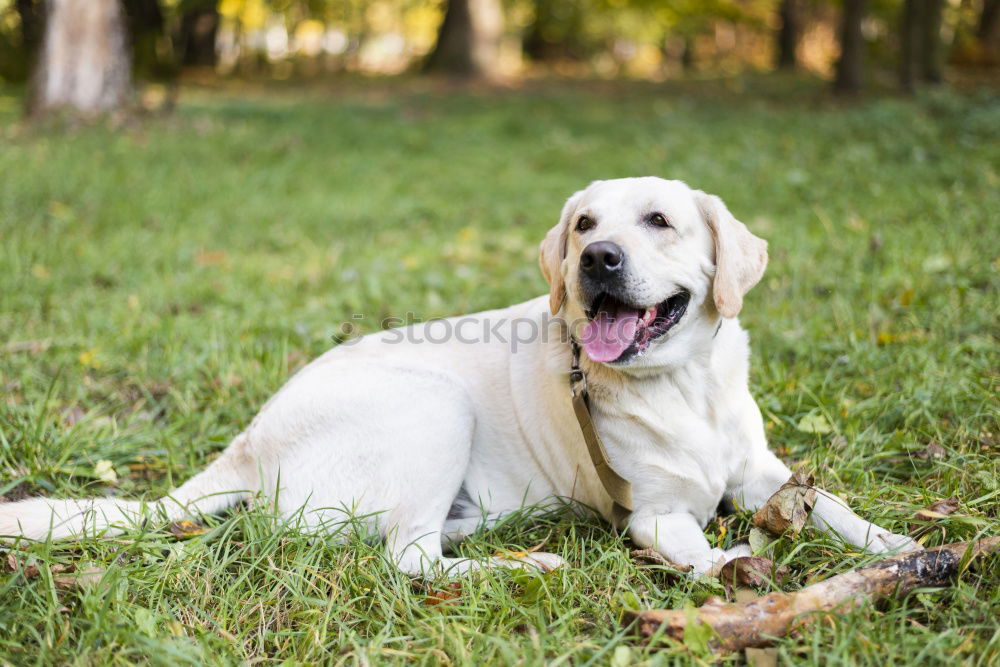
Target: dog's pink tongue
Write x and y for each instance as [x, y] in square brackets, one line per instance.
[609, 334]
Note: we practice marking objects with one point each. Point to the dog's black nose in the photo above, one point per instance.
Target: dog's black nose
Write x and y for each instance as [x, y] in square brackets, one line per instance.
[602, 259]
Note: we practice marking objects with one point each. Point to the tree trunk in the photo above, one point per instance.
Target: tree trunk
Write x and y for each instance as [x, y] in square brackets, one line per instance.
[909, 43]
[84, 63]
[687, 54]
[932, 50]
[988, 31]
[850, 65]
[468, 41]
[145, 28]
[31, 13]
[536, 44]
[788, 34]
[199, 26]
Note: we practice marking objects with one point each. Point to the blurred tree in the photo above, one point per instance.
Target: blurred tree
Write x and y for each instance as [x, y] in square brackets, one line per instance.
[932, 48]
[147, 29]
[32, 15]
[198, 29]
[468, 42]
[909, 44]
[988, 31]
[850, 64]
[84, 61]
[554, 32]
[921, 49]
[788, 34]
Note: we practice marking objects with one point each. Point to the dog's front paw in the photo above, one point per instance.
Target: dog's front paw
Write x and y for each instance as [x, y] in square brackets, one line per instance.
[892, 543]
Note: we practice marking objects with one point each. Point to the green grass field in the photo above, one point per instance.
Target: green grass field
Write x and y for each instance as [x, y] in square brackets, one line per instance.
[160, 281]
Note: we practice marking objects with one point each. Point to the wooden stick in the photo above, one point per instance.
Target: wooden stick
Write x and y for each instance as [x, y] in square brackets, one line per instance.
[758, 622]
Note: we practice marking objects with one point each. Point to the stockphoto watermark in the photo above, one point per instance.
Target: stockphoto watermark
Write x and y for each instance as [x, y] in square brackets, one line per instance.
[472, 330]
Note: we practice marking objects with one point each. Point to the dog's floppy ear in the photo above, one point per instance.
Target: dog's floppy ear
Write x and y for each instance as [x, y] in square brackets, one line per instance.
[553, 251]
[740, 257]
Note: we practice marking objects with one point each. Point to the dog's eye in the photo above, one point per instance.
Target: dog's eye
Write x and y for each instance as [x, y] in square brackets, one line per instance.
[583, 223]
[659, 220]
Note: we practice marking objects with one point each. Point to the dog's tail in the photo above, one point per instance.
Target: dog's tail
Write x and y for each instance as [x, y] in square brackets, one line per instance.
[228, 480]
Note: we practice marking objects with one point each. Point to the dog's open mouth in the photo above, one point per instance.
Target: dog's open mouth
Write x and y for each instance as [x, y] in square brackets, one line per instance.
[618, 331]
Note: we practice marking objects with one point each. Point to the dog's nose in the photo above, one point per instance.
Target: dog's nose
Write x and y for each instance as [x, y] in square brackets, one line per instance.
[602, 259]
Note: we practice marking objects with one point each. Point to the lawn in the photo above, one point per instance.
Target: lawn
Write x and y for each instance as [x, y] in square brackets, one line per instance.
[161, 280]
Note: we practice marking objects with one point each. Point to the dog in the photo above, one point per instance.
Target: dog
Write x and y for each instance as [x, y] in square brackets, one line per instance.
[430, 432]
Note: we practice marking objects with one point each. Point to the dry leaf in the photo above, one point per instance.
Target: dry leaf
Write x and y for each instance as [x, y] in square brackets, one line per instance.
[653, 557]
[29, 346]
[762, 657]
[210, 257]
[12, 564]
[751, 571]
[448, 595]
[759, 541]
[437, 596]
[788, 509]
[814, 423]
[938, 510]
[104, 470]
[82, 579]
[932, 451]
[185, 529]
[72, 415]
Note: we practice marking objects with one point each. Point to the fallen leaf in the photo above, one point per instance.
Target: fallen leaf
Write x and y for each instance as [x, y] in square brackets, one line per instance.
[932, 451]
[186, 529]
[814, 423]
[751, 571]
[759, 541]
[937, 263]
[438, 596]
[104, 470]
[29, 346]
[82, 579]
[145, 621]
[788, 509]
[622, 657]
[740, 595]
[210, 257]
[762, 657]
[938, 510]
[72, 415]
[653, 557]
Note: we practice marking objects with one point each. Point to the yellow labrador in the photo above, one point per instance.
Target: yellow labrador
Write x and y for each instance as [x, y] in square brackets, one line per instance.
[430, 431]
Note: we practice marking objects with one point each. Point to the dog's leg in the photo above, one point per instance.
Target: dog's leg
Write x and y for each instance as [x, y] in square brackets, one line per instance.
[229, 479]
[765, 473]
[679, 537]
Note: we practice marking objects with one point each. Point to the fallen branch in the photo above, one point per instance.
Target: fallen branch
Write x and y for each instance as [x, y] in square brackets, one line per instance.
[758, 622]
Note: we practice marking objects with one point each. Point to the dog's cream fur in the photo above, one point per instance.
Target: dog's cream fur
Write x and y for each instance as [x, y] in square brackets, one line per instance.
[430, 441]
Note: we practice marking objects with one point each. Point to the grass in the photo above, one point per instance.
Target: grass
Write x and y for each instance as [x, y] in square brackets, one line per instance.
[160, 281]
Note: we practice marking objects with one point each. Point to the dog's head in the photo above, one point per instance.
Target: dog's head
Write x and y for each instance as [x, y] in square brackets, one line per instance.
[637, 263]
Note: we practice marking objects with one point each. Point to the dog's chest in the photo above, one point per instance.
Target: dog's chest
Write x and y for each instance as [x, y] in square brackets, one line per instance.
[678, 442]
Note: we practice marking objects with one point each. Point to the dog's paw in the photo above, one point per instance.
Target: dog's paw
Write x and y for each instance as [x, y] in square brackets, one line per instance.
[892, 543]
